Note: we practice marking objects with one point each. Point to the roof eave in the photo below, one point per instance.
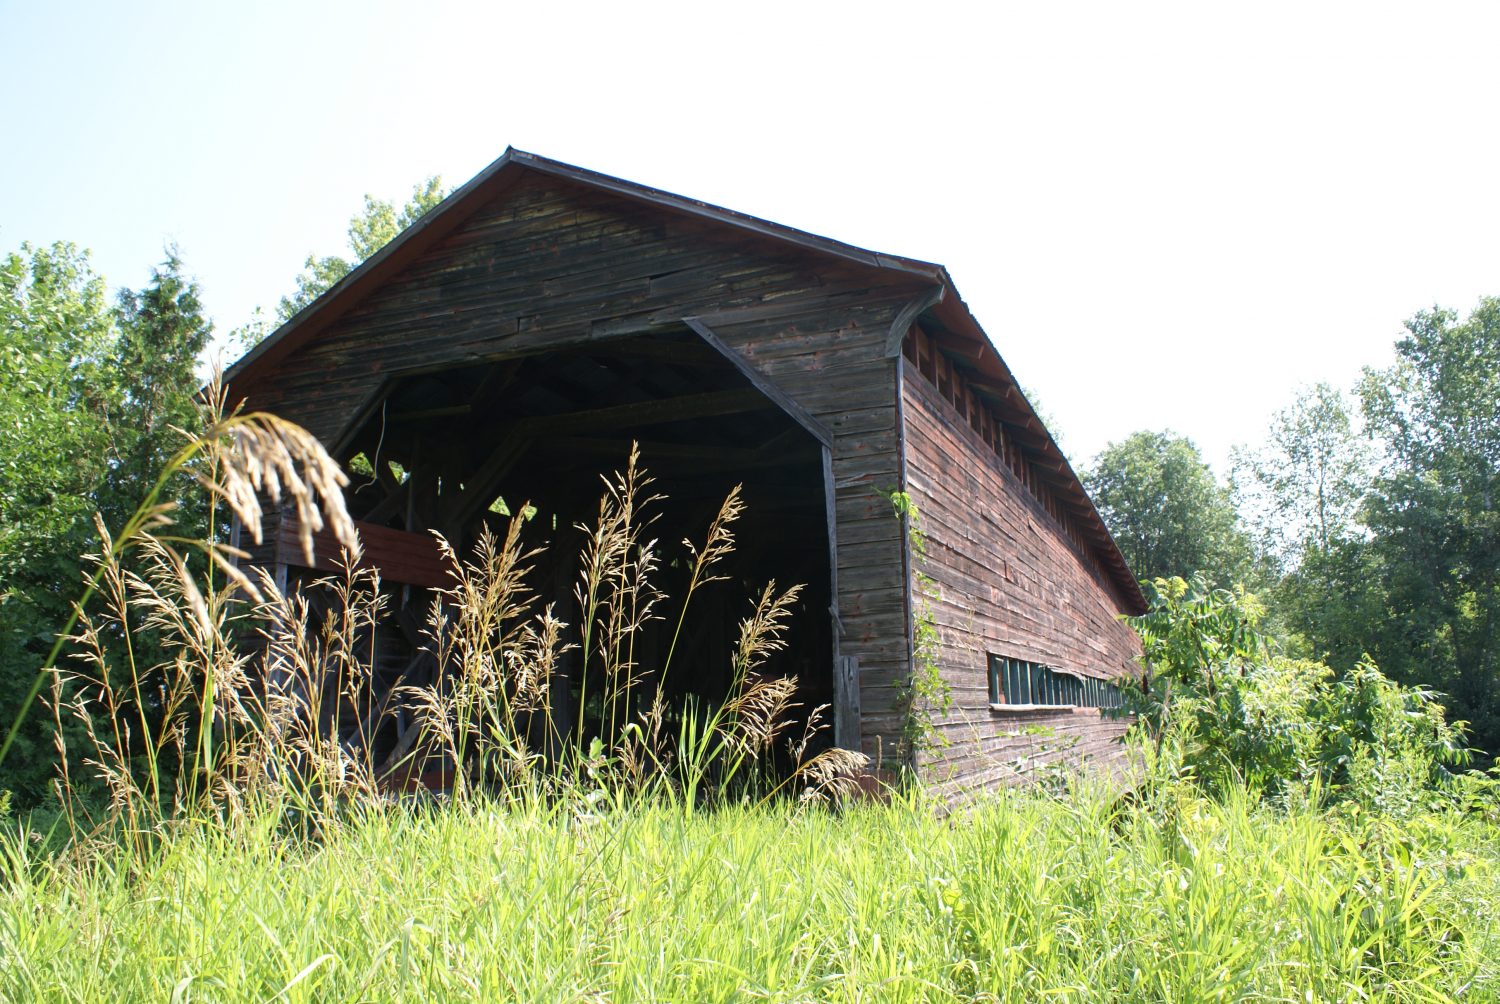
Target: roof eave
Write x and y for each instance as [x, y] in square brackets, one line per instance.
[954, 314]
[342, 296]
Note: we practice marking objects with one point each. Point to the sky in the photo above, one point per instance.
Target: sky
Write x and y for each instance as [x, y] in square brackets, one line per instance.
[1166, 216]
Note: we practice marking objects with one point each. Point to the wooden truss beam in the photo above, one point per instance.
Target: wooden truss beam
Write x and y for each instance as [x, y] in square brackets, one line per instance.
[711, 404]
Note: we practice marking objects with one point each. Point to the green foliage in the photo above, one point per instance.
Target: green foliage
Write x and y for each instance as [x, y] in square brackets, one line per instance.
[1381, 530]
[1328, 605]
[927, 696]
[252, 332]
[1019, 898]
[90, 404]
[1434, 511]
[369, 230]
[1165, 510]
[57, 337]
[1390, 745]
[1221, 708]
[1300, 492]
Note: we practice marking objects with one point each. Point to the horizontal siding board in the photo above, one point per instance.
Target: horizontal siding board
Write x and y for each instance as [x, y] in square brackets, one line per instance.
[1006, 579]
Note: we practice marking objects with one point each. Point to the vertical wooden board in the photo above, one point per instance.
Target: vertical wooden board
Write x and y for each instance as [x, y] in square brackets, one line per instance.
[847, 707]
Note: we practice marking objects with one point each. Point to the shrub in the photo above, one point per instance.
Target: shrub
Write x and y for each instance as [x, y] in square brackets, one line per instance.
[1219, 706]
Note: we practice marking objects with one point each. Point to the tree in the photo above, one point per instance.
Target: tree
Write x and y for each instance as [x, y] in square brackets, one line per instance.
[1166, 511]
[163, 333]
[56, 336]
[91, 401]
[369, 231]
[1301, 494]
[1302, 490]
[1434, 510]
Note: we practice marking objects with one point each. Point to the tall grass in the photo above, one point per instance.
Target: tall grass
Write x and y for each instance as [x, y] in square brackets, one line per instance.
[1021, 897]
[260, 699]
[251, 848]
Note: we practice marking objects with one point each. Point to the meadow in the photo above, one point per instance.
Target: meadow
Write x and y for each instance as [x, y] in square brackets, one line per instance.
[1027, 895]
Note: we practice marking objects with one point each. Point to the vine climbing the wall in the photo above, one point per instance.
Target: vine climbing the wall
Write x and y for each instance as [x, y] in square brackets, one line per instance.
[927, 696]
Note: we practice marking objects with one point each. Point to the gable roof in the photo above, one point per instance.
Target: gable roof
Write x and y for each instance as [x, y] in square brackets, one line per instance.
[956, 331]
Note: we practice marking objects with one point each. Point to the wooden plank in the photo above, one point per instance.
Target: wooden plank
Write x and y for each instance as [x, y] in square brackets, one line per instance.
[360, 418]
[673, 353]
[845, 668]
[407, 558]
[383, 264]
[846, 706]
[1010, 581]
[710, 404]
[817, 429]
[907, 316]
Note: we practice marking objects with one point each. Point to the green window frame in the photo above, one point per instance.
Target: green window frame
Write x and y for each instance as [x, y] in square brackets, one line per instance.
[1020, 681]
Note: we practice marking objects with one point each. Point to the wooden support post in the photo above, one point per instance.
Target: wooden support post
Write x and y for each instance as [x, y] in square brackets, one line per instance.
[846, 711]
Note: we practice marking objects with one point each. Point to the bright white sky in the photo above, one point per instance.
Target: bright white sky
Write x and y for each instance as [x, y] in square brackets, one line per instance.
[1166, 216]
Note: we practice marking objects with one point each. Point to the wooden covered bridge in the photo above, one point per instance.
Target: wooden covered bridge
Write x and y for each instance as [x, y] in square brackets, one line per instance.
[517, 339]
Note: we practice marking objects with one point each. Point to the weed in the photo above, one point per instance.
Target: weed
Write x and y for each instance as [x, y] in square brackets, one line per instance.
[927, 696]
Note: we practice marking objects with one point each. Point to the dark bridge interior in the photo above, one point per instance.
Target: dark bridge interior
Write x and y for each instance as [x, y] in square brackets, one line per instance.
[457, 449]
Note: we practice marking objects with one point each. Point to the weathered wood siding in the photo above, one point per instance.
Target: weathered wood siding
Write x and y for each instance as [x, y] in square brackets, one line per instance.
[549, 263]
[1006, 580]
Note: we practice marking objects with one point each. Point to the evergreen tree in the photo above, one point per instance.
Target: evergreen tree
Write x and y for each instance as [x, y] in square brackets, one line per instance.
[163, 333]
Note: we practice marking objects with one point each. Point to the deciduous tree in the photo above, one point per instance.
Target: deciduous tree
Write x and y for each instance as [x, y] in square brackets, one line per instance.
[1167, 512]
[1434, 510]
[57, 335]
[369, 231]
[1300, 494]
[1303, 487]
